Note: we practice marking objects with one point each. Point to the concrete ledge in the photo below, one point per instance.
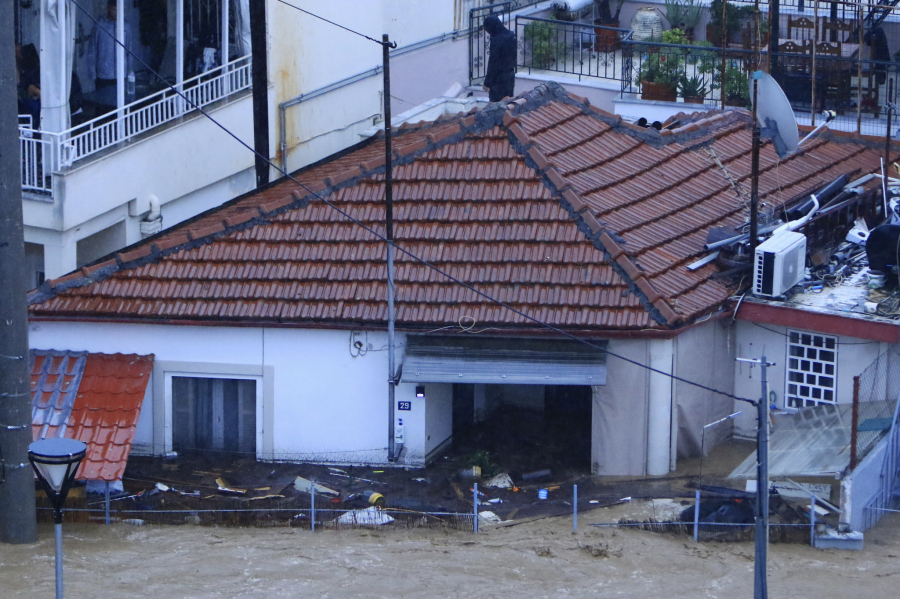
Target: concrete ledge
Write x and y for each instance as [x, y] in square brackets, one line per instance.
[833, 539]
[631, 107]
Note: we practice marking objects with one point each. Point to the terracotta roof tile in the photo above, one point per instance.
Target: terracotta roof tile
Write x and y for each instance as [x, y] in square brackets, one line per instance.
[96, 398]
[467, 198]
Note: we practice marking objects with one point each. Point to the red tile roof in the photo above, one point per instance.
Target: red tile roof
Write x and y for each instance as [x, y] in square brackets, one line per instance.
[555, 207]
[94, 398]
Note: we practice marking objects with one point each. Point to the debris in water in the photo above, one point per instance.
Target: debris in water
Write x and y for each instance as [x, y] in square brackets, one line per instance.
[501, 481]
[306, 486]
[489, 517]
[225, 488]
[371, 516]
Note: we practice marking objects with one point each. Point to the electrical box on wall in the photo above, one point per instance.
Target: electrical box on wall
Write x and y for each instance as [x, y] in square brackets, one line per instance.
[779, 264]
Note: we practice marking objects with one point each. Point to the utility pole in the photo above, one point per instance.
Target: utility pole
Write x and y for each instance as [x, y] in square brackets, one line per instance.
[760, 587]
[17, 512]
[389, 233]
[260, 77]
[754, 177]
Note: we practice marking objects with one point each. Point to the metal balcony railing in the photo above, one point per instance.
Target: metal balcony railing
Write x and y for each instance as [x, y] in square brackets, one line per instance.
[580, 49]
[44, 152]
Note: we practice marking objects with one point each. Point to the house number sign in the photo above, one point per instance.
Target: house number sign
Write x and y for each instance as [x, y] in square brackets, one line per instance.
[404, 406]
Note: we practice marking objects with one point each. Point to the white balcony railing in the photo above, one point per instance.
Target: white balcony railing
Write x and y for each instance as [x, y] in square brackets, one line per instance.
[32, 150]
[44, 152]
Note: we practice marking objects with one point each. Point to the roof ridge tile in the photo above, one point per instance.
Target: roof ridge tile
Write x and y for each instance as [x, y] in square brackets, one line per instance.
[273, 206]
[345, 175]
[195, 234]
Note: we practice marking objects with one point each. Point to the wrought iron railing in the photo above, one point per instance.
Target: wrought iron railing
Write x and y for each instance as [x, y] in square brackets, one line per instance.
[479, 40]
[666, 72]
[569, 47]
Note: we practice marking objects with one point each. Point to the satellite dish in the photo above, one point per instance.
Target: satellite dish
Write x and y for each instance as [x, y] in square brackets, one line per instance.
[774, 113]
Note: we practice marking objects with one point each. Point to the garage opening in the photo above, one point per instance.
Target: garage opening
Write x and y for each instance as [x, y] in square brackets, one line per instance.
[214, 414]
[524, 427]
[520, 404]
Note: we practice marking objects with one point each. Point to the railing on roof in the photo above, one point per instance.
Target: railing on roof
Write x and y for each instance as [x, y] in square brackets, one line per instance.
[44, 152]
[580, 49]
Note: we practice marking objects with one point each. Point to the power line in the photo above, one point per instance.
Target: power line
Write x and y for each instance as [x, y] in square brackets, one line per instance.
[412, 256]
[335, 24]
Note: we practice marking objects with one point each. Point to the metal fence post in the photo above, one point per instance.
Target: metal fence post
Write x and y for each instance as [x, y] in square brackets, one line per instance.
[812, 520]
[107, 503]
[312, 501]
[697, 515]
[475, 508]
[574, 508]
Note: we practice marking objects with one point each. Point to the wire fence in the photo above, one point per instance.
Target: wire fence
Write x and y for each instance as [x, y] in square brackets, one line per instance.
[878, 392]
[257, 514]
[712, 517]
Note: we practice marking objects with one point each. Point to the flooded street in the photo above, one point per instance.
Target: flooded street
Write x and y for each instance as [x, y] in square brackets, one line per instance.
[536, 559]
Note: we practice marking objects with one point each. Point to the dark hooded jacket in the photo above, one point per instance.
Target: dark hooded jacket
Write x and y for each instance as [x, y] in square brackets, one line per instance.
[501, 69]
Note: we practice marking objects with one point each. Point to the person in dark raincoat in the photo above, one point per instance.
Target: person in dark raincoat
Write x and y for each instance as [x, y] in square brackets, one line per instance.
[500, 78]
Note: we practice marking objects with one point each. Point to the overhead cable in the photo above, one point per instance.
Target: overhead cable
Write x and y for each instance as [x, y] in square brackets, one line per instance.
[399, 248]
[394, 45]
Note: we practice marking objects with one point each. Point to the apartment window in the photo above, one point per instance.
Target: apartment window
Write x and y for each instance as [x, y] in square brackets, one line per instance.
[214, 414]
[811, 369]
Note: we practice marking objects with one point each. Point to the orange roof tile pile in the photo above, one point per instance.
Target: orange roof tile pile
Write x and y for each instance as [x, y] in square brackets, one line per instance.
[94, 398]
[548, 204]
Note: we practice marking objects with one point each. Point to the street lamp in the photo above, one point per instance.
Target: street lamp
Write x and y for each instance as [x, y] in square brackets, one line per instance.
[55, 462]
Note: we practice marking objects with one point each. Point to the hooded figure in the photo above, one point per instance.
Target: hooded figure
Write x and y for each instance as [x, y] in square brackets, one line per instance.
[500, 78]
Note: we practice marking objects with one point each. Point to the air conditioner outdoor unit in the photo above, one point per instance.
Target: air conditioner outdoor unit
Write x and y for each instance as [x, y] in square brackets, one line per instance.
[780, 263]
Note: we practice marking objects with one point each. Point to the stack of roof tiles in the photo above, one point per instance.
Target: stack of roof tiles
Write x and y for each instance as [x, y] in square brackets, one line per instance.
[560, 210]
[93, 398]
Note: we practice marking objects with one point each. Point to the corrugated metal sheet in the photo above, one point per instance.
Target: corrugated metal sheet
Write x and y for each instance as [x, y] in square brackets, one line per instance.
[489, 362]
[815, 441]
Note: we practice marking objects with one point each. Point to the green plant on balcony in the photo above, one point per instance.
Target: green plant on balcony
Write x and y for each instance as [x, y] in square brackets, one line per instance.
[542, 41]
[684, 15]
[720, 35]
[662, 67]
[692, 89]
[737, 89]
[605, 15]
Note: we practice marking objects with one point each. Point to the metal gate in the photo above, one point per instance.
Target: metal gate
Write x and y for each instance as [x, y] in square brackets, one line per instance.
[479, 40]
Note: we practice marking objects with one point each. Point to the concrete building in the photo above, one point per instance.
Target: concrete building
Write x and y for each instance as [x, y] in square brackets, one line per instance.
[558, 209]
[125, 157]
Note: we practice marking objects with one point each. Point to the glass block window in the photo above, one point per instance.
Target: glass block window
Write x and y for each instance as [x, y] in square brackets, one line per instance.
[811, 370]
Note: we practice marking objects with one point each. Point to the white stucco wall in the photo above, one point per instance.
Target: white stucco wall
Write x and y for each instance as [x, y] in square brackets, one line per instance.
[619, 412]
[438, 415]
[319, 402]
[753, 341]
[704, 354]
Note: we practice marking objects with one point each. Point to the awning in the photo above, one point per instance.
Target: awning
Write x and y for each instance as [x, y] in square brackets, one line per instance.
[502, 361]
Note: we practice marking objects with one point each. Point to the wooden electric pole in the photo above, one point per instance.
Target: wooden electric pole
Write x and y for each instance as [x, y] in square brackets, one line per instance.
[17, 513]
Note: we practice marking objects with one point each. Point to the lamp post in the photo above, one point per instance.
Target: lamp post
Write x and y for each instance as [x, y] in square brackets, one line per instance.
[55, 462]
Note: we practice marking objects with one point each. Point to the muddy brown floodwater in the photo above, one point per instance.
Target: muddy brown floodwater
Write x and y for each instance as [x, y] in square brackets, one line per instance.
[535, 559]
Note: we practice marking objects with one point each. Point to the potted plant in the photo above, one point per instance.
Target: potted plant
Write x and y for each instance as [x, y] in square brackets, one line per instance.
[684, 15]
[692, 89]
[721, 34]
[541, 40]
[605, 38]
[736, 90]
[662, 69]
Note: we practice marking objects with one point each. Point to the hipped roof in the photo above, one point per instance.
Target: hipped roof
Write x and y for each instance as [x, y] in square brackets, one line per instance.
[557, 208]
